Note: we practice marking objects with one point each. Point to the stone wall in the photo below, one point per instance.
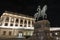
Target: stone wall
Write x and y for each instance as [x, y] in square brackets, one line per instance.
[8, 33]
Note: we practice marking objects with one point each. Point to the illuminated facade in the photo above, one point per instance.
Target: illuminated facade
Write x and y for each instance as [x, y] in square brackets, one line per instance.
[55, 33]
[15, 25]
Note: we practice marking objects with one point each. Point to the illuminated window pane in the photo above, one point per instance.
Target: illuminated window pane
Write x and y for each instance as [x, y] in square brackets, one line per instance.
[56, 33]
[12, 19]
[20, 35]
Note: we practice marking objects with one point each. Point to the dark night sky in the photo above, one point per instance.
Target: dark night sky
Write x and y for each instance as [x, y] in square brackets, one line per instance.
[29, 7]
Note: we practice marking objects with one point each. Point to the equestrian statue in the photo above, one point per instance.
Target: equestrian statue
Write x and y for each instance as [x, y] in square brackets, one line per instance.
[41, 13]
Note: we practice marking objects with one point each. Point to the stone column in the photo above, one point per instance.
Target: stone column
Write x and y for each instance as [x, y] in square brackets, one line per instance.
[23, 22]
[9, 21]
[14, 22]
[19, 23]
[4, 20]
[31, 23]
[27, 23]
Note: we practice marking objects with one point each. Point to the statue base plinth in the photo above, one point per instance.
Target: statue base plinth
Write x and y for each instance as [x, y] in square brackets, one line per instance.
[41, 31]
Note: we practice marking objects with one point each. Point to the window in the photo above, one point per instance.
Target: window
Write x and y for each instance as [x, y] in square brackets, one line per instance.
[17, 20]
[32, 22]
[28, 25]
[4, 32]
[6, 24]
[21, 21]
[56, 33]
[20, 25]
[10, 32]
[20, 34]
[7, 18]
[16, 24]
[50, 34]
[12, 19]
[28, 33]
[24, 25]
[25, 21]
[11, 24]
[28, 22]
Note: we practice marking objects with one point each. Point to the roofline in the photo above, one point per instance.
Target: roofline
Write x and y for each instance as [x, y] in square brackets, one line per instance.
[5, 13]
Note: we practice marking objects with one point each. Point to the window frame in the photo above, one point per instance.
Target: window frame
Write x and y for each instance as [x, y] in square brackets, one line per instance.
[6, 24]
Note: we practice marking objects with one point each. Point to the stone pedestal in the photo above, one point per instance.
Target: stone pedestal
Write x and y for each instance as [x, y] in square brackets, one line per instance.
[41, 31]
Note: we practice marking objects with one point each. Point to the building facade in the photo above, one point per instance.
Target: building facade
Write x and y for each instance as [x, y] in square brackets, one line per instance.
[16, 25]
[55, 33]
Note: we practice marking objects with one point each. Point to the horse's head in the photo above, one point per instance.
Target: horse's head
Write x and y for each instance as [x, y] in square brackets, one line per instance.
[45, 8]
